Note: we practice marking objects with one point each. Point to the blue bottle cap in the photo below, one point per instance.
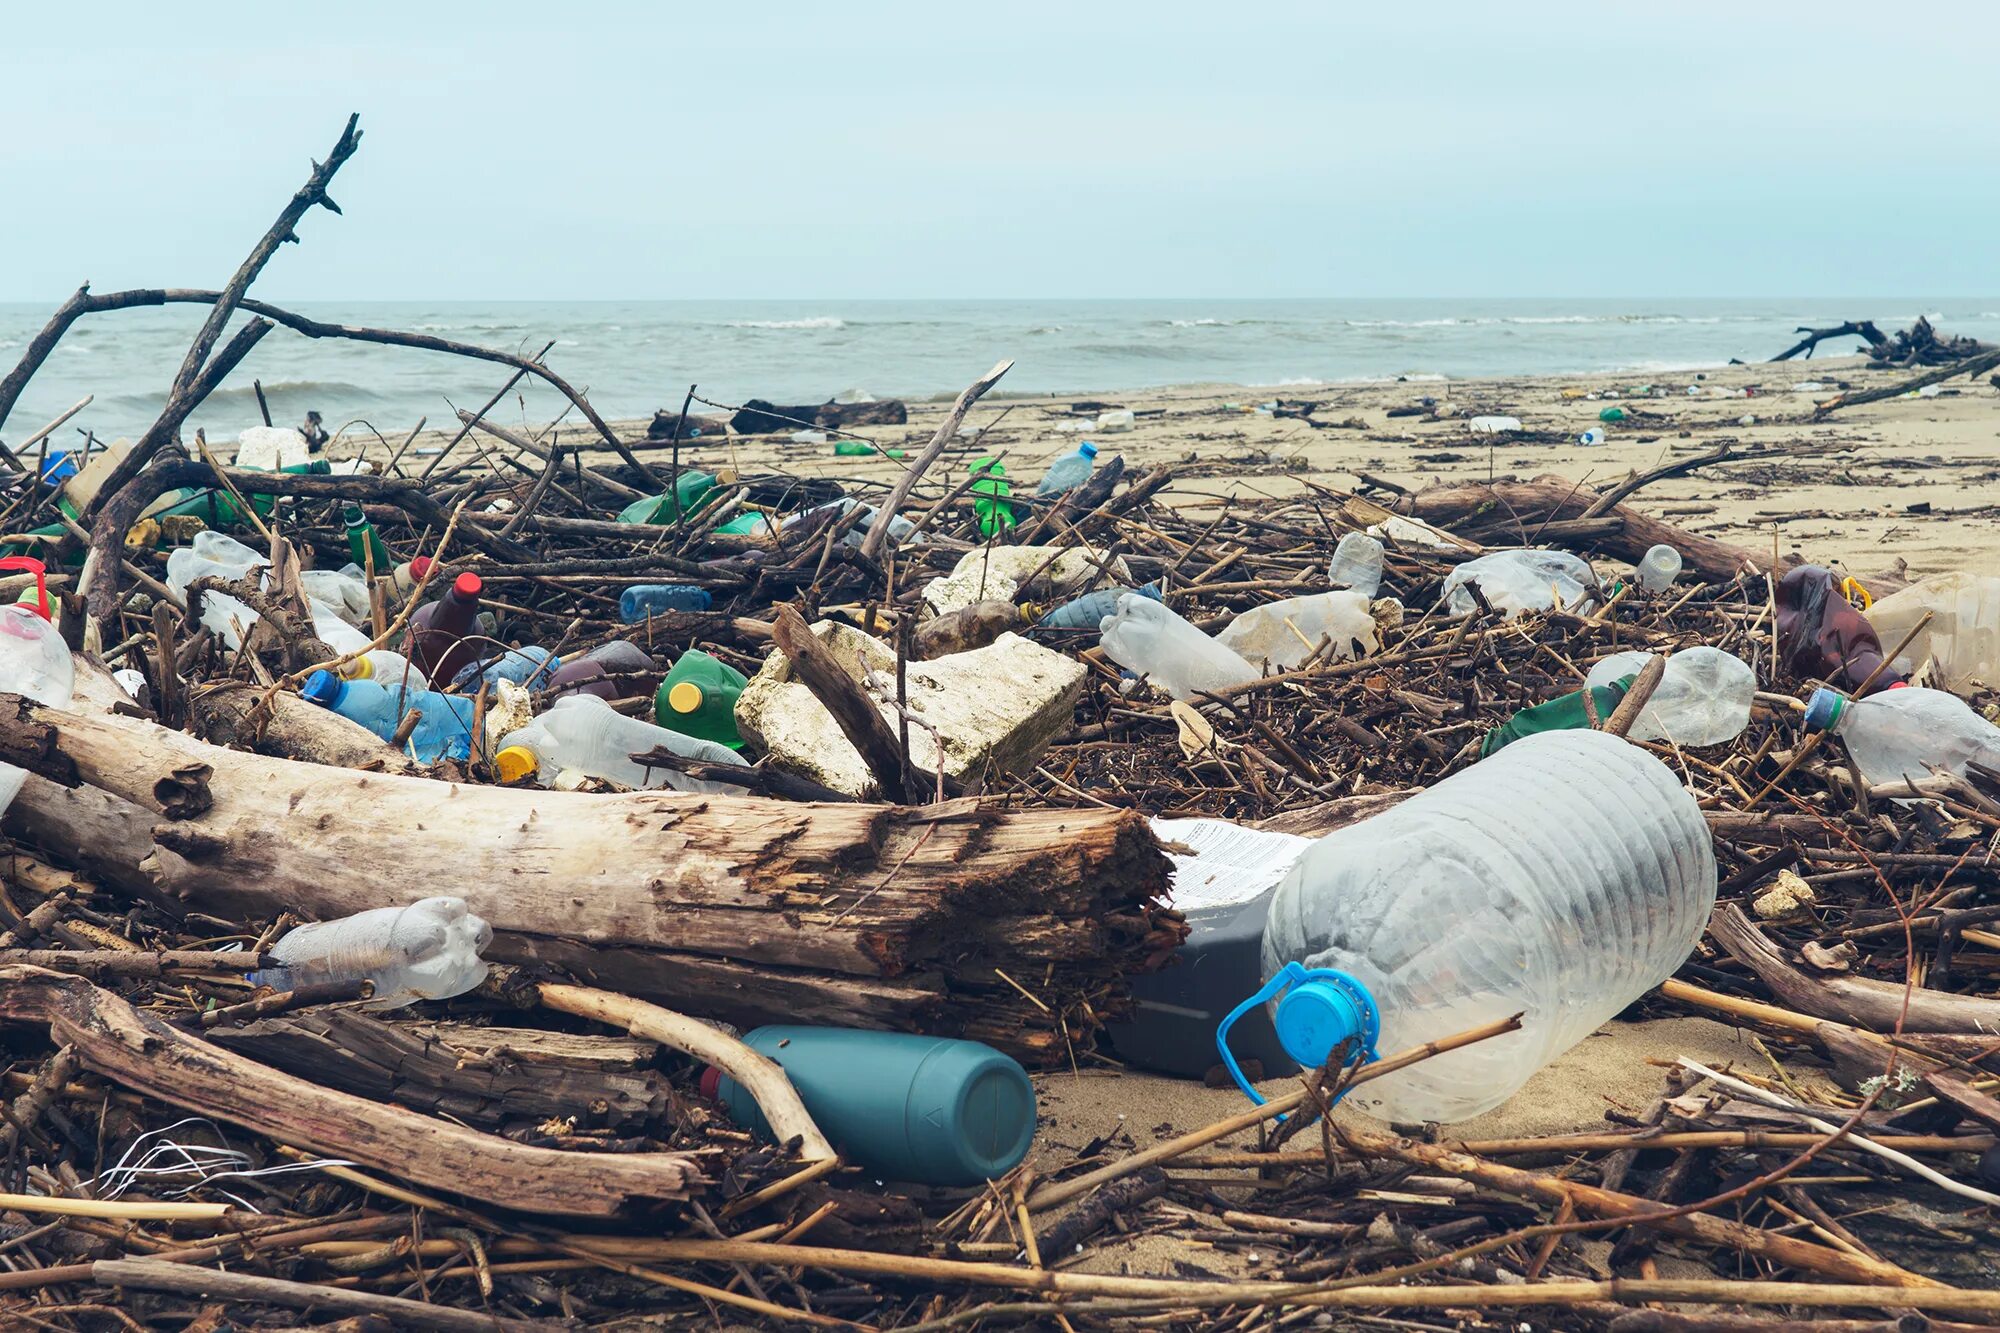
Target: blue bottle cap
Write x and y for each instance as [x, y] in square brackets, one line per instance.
[323, 688]
[1823, 710]
[1316, 1016]
[1087, 449]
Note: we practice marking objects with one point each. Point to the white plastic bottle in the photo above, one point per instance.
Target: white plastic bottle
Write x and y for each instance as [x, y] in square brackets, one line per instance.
[1658, 568]
[1357, 564]
[1906, 733]
[1143, 635]
[1962, 640]
[1520, 580]
[1282, 635]
[426, 951]
[580, 733]
[1560, 879]
[1703, 698]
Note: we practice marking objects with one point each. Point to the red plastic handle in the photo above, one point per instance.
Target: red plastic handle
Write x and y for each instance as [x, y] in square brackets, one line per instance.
[41, 607]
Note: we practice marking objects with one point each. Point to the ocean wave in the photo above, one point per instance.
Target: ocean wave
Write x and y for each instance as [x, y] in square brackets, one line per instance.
[1288, 382]
[1211, 323]
[811, 322]
[338, 392]
[1045, 328]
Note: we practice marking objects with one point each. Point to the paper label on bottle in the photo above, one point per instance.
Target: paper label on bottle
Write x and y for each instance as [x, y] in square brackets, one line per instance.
[1227, 864]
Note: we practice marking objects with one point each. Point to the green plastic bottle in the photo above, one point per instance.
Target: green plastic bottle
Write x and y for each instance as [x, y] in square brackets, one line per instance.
[856, 449]
[989, 497]
[753, 524]
[1563, 713]
[690, 493]
[930, 1110]
[1612, 414]
[362, 543]
[698, 698]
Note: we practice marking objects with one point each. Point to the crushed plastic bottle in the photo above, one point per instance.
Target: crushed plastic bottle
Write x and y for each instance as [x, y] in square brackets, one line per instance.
[650, 599]
[1907, 733]
[580, 733]
[1068, 472]
[1703, 698]
[1357, 564]
[1520, 580]
[1821, 635]
[900, 529]
[531, 666]
[1658, 568]
[1962, 640]
[1575, 872]
[444, 726]
[215, 555]
[596, 672]
[1282, 635]
[1147, 637]
[426, 951]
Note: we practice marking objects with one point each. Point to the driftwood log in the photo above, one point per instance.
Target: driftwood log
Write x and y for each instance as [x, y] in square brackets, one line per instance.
[1014, 927]
[758, 417]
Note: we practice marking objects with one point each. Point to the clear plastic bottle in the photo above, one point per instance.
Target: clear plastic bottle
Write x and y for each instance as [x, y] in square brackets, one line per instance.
[1357, 564]
[1962, 640]
[1521, 580]
[1088, 611]
[215, 555]
[1068, 472]
[580, 733]
[1703, 698]
[444, 726]
[650, 599]
[1907, 732]
[1560, 879]
[34, 661]
[1147, 637]
[379, 664]
[426, 951]
[1282, 635]
[1658, 568]
[343, 590]
[531, 666]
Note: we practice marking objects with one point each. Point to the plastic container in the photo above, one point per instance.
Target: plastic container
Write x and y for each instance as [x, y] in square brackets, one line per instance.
[1658, 568]
[1520, 580]
[581, 734]
[989, 496]
[385, 667]
[438, 630]
[444, 729]
[1068, 472]
[1494, 425]
[426, 951]
[698, 698]
[1962, 640]
[1561, 879]
[363, 543]
[929, 1110]
[34, 660]
[344, 591]
[1821, 636]
[215, 555]
[1116, 421]
[1703, 698]
[1906, 733]
[1088, 611]
[1283, 635]
[1357, 564]
[1592, 438]
[691, 491]
[1579, 710]
[532, 666]
[648, 599]
[1147, 637]
[1612, 414]
[599, 671]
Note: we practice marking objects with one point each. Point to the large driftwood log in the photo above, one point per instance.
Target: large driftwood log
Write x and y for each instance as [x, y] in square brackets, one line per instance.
[140, 1052]
[759, 417]
[754, 910]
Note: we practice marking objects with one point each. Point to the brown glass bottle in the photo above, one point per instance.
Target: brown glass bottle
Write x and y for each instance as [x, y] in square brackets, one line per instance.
[438, 644]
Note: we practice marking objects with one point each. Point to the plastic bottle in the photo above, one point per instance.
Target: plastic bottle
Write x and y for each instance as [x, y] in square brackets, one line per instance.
[426, 951]
[1906, 733]
[1088, 611]
[1579, 710]
[698, 698]
[1703, 698]
[1962, 640]
[438, 630]
[648, 599]
[343, 591]
[1068, 472]
[215, 555]
[929, 1110]
[1574, 873]
[1520, 580]
[582, 734]
[1149, 638]
[597, 672]
[1116, 421]
[363, 543]
[1658, 568]
[34, 661]
[859, 449]
[531, 666]
[1821, 636]
[408, 575]
[1612, 414]
[444, 729]
[385, 667]
[1282, 635]
[1357, 564]
[1592, 438]
[989, 496]
[691, 491]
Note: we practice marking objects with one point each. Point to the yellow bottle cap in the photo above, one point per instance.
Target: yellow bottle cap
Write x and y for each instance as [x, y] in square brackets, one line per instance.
[359, 669]
[684, 697]
[516, 762]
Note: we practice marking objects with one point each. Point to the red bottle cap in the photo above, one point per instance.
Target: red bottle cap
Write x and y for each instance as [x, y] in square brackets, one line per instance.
[711, 1084]
[468, 584]
[420, 567]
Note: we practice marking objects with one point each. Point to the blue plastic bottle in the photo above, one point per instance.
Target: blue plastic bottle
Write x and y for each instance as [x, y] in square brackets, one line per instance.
[644, 599]
[443, 732]
[929, 1110]
[516, 666]
[1089, 610]
[1069, 472]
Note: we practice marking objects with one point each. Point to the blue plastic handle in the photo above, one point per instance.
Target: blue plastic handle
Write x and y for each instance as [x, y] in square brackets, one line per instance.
[1321, 1009]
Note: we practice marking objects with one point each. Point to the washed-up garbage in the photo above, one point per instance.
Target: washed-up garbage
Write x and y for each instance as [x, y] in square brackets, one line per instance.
[1575, 873]
[1578, 710]
[34, 661]
[1357, 564]
[1961, 642]
[1147, 637]
[1068, 472]
[438, 630]
[928, 1110]
[643, 600]
[1703, 698]
[1089, 611]
[691, 492]
[1909, 733]
[1658, 568]
[1282, 635]
[1518, 581]
[604, 671]
[429, 950]
[444, 729]
[1821, 635]
[582, 736]
[1000, 573]
[1493, 425]
[698, 698]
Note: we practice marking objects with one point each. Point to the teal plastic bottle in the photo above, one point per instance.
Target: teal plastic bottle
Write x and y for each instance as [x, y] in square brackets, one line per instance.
[929, 1110]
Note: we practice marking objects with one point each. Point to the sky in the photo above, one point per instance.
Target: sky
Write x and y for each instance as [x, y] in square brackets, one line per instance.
[817, 151]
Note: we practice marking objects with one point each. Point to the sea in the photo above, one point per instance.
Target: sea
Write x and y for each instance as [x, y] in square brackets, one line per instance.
[633, 357]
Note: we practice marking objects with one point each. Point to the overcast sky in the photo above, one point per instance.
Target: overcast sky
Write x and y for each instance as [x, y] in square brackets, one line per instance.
[1067, 149]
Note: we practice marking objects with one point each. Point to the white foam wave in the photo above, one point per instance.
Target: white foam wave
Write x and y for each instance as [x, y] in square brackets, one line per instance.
[812, 322]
